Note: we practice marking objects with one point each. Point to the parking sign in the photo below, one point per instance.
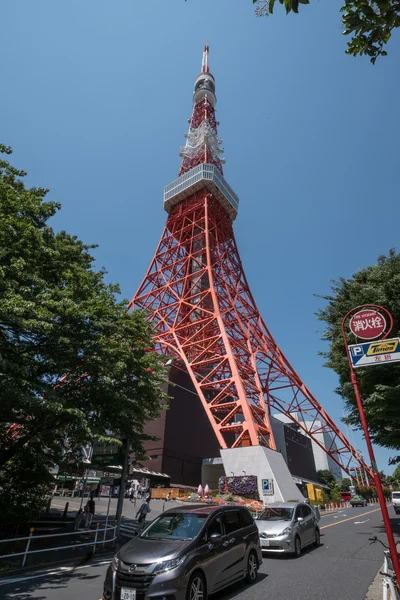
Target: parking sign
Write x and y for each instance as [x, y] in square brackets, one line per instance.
[268, 487]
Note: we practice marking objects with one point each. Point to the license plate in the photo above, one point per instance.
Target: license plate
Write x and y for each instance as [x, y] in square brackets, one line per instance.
[128, 594]
[265, 543]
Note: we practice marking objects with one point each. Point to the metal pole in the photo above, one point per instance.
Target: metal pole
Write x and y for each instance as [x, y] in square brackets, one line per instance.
[378, 484]
[95, 537]
[84, 485]
[120, 504]
[384, 584]
[28, 543]
[108, 512]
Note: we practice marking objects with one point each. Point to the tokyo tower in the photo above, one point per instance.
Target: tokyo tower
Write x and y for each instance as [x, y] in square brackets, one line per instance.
[204, 315]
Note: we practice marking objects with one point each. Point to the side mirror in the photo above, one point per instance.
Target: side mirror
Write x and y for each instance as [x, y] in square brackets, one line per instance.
[300, 519]
[215, 537]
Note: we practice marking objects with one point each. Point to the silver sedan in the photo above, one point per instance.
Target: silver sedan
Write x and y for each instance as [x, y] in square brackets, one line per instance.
[288, 527]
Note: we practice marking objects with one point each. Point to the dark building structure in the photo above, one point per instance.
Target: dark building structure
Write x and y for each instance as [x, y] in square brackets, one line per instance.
[185, 436]
[296, 449]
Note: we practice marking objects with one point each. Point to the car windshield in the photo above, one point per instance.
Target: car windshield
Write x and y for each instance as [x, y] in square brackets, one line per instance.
[396, 495]
[175, 526]
[273, 513]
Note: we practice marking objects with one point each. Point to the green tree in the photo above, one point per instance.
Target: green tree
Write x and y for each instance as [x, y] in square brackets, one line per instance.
[380, 385]
[369, 22]
[326, 478]
[345, 485]
[396, 473]
[75, 366]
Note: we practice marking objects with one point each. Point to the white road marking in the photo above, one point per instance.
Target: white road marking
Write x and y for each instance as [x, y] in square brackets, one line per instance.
[59, 571]
[359, 522]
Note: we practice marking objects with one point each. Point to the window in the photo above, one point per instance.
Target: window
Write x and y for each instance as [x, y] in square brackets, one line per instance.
[277, 513]
[216, 526]
[232, 521]
[246, 517]
[305, 511]
[175, 526]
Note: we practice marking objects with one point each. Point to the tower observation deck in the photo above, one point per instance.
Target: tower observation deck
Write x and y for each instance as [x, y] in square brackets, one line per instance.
[202, 161]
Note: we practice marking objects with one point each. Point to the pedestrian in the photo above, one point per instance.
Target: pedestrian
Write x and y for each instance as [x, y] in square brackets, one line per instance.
[143, 512]
[168, 497]
[78, 519]
[89, 511]
[139, 492]
[131, 493]
[81, 485]
[148, 494]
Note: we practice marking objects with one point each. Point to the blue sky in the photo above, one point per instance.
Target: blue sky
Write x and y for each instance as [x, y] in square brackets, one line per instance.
[95, 100]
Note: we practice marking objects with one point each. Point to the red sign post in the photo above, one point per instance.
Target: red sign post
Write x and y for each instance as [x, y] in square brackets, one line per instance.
[368, 324]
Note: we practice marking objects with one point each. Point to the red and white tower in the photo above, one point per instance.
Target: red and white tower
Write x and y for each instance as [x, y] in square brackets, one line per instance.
[204, 314]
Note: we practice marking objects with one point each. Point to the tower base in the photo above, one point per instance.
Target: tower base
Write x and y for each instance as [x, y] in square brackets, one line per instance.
[265, 464]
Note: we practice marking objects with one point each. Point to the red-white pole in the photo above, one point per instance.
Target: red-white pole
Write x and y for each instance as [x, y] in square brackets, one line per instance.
[378, 483]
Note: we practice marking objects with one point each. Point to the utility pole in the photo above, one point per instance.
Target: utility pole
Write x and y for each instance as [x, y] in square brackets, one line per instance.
[124, 474]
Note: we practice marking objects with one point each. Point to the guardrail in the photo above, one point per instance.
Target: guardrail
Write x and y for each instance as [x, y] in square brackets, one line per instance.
[31, 538]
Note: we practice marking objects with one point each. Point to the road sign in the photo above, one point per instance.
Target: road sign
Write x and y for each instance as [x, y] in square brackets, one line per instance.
[105, 459]
[375, 353]
[368, 324]
[267, 487]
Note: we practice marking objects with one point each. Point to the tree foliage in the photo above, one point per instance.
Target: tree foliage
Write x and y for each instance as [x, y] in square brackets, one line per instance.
[379, 385]
[326, 478]
[369, 22]
[75, 366]
[396, 473]
[345, 485]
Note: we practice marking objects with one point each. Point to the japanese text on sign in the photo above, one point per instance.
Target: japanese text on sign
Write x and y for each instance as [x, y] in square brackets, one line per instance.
[367, 324]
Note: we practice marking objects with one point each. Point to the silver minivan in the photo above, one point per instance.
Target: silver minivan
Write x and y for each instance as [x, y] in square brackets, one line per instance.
[186, 553]
[288, 527]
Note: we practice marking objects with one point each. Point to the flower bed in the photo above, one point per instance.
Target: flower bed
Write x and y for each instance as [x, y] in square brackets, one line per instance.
[251, 504]
[244, 485]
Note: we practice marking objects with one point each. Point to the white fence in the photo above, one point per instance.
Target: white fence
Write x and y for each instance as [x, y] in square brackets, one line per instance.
[53, 536]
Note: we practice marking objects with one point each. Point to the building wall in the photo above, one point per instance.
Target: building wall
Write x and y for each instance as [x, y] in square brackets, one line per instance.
[300, 454]
[185, 434]
[278, 430]
[322, 460]
[295, 447]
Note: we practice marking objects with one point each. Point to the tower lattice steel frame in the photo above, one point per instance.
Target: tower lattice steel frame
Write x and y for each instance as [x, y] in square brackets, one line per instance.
[205, 317]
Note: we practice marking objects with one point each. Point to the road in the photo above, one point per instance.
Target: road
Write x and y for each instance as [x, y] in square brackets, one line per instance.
[342, 567]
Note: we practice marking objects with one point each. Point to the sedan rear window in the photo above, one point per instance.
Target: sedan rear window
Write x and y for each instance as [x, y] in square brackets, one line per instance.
[396, 495]
[175, 526]
[276, 514]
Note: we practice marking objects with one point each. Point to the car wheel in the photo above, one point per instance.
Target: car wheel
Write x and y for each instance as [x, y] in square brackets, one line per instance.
[252, 568]
[196, 590]
[317, 538]
[297, 546]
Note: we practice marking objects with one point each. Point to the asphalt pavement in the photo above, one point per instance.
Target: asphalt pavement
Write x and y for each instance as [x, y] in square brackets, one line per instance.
[342, 567]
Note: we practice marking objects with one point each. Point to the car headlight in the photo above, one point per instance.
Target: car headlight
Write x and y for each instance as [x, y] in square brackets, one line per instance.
[286, 531]
[115, 563]
[168, 565]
